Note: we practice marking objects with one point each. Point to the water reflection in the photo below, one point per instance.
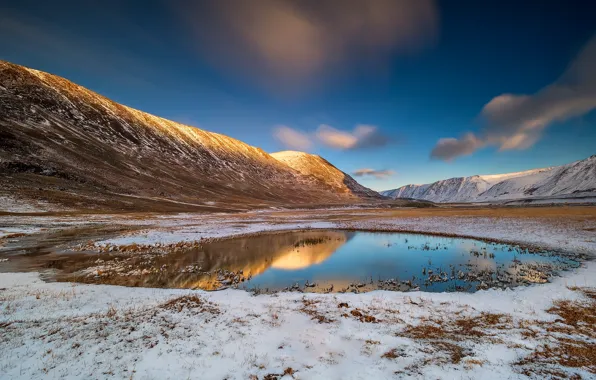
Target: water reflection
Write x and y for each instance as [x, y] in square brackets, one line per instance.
[214, 265]
[311, 250]
[324, 261]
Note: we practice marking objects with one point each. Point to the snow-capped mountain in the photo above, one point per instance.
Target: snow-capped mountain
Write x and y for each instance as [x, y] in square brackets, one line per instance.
[577, 178]
[62, 143]
[324, 171]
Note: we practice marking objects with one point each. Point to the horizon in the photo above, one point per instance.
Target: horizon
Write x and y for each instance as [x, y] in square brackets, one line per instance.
[407, 104]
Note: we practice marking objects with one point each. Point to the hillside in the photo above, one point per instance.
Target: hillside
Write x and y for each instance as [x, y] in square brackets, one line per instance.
[324, 171]
[576, 179]
[62, 144]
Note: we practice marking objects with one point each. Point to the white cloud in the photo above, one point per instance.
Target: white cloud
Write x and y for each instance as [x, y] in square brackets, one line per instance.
[378, 174]
[292, 138]
[335, 138]
[518, 121]
[363, 136]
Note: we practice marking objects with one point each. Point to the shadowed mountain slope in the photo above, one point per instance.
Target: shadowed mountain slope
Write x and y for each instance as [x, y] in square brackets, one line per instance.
[63, 144]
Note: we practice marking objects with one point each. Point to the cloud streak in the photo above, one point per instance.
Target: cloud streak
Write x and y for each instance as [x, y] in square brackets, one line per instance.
[292, 138]
[450, 148]
[518, 121]
[289, 42]
[362, 137]
[378, 174]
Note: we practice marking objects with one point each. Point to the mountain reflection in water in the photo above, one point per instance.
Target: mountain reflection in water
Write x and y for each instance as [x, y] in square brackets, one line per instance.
[213, 265]
[325, 261]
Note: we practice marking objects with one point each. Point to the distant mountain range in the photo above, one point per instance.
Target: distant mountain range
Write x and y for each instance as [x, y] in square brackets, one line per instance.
[574, 180]
[61, 143]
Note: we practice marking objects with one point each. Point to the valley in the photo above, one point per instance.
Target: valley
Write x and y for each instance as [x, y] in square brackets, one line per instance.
[132, 246]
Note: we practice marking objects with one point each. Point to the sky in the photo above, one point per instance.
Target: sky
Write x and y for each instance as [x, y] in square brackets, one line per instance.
[392, 92]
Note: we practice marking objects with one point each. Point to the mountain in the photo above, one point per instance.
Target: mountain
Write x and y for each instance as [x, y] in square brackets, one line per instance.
[324, 171]
[61, 143]
[577, 179]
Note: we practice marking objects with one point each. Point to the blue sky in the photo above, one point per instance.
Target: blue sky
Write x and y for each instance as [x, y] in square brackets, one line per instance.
[246, 70]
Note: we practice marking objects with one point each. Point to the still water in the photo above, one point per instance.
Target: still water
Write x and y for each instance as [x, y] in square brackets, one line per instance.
[326, 261]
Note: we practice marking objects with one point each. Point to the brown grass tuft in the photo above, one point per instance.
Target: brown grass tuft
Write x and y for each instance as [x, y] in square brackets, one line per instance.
[309, 308]
[391, 354]
[575, 313]
[567, 353]
[588, 292]
[455, 352]
[190, 302]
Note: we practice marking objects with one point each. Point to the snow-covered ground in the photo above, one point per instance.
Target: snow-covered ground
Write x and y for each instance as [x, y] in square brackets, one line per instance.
[64, 330]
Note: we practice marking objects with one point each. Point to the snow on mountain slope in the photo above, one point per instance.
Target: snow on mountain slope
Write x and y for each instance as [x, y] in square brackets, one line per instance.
[62, 143]
[576, 178]
[324, 171]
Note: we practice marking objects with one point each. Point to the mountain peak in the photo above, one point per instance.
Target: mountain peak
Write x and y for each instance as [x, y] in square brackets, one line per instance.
[575, 178]
[85, 151]
[322, 170]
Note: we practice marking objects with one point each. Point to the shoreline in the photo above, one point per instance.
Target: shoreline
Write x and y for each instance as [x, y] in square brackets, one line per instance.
[105, 331]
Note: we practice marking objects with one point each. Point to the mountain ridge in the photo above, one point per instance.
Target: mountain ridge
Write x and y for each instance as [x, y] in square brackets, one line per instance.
[63, 143]
[318, 167]
[578, 177]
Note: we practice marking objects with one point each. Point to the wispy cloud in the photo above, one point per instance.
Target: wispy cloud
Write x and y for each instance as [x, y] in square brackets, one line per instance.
[292, 138]
[292, 42]
[378, 174]
[362, 137]
[518, 121]
[450, 148]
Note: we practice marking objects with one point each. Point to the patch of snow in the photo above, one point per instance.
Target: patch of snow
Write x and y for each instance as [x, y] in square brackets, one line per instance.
[76, 331]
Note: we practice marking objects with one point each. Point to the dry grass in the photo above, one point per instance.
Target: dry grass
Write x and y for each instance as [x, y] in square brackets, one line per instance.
[112, 312]
[189, 302]
[575, 313]
[460, 328]
[587, 292]
[567, 352]
[564, 212]
[426, 331]
[391, 354]
[471, 363]
[572, 340]
[309, 307]
[455, 352]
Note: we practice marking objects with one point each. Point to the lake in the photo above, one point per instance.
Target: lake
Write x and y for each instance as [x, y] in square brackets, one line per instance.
[322, 261]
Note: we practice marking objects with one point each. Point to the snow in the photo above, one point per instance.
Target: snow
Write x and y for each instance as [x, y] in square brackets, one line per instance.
[7, 231]
[214, 230]
[556, 234]
[576, 178]
[11, 204]
[64, 330]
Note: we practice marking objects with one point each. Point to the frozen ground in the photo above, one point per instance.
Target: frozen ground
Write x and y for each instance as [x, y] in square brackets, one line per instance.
[62, 330]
